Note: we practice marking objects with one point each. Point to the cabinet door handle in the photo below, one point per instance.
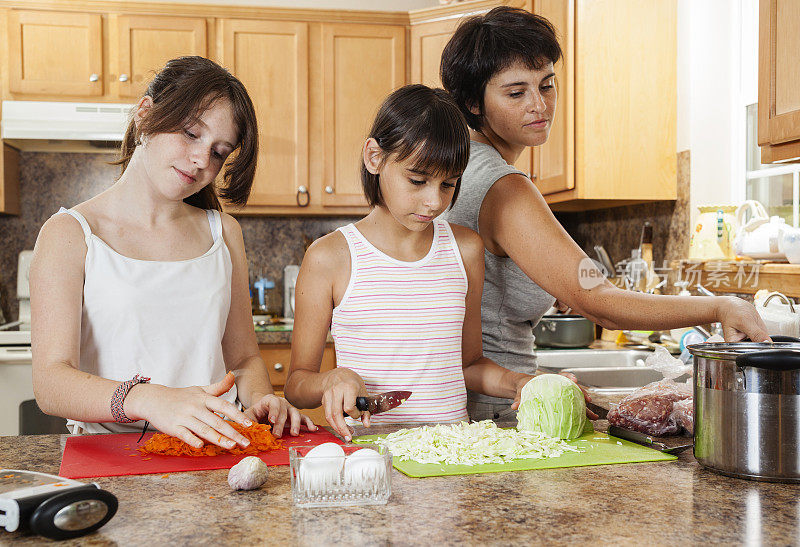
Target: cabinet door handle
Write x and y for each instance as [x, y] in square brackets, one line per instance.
[302, 190]
[533, 177]
[123, 77]
[94, 77]
[329, 189]
[278, 367]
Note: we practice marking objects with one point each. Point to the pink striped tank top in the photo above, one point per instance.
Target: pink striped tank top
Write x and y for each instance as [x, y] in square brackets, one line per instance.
[399, 326]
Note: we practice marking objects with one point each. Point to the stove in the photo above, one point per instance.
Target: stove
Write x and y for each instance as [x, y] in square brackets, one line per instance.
[16, 384]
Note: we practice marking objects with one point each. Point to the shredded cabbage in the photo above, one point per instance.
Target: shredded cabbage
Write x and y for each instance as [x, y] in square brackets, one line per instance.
[471, 444]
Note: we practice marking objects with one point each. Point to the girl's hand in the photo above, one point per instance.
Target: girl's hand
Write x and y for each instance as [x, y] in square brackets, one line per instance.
[341, 388]
[277, 410]
[189, 413]
[740, 320]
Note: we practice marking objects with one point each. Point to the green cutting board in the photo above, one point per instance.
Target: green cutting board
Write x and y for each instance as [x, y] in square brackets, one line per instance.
[597, 449]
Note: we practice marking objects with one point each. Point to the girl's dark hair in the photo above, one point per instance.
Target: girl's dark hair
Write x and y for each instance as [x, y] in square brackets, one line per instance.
[483, 45]
[423, 122]
[181, 92]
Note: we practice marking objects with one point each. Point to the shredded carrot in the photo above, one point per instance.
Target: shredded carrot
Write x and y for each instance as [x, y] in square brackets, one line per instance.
[165, 476]
[260, 437]
[8, 476]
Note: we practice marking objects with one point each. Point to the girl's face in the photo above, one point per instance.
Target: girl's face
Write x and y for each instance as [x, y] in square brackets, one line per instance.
[413, 198]
[519, 104]
[180, 164]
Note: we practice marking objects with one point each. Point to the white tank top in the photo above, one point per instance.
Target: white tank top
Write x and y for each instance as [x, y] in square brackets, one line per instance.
[164, 320]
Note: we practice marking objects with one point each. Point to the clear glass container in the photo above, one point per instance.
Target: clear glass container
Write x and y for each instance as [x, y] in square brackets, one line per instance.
[336, 481]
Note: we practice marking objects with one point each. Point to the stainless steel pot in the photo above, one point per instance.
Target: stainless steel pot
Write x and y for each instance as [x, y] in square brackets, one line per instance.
[747, 409]
[564, 331]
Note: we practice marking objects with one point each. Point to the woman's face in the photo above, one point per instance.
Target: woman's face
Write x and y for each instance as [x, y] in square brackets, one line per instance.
[519, 104]
[413, 198]
[184, 162]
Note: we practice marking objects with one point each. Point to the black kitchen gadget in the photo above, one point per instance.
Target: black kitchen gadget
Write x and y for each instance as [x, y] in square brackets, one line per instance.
[52, 506]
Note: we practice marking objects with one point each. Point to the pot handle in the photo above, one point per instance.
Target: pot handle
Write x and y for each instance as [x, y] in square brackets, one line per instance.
[770, 359]
[778, 338]
[784, 338]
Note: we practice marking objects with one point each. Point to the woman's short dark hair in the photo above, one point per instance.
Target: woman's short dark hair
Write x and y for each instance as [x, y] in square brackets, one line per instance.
[423, 122]
[484, 45]
[181, 92]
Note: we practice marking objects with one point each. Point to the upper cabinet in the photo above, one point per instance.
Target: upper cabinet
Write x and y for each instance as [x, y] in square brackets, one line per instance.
[271, 59]
[779, 80]
[55, 53]
[613, 141]
[361, 65]
[141, 44]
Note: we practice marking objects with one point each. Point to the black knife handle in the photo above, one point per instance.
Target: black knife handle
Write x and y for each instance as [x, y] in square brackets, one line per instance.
[362, 404]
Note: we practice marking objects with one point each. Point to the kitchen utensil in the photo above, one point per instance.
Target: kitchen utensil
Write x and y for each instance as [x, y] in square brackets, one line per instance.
[646, 440]
[51, 506]
[116, 454]
[605, 260]
[596, 449]
[354, 482]
[381, 402]
[564, 331]
[602, 413]
[761, 236]
[714, 233]
[747, 408]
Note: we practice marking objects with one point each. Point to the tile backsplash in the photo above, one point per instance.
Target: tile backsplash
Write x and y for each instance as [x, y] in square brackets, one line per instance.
[52, 180]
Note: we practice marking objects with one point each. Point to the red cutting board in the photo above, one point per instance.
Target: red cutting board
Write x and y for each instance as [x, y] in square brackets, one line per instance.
[115, 454]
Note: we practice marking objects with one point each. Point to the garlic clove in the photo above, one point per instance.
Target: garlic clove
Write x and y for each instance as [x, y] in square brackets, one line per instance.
[250, 473]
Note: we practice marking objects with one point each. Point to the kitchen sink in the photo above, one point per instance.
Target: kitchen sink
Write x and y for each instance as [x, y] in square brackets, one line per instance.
[593, 358]
[617, 379]
[604, 371]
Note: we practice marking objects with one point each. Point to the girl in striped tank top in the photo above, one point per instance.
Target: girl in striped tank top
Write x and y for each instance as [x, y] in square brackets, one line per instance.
[400, 290]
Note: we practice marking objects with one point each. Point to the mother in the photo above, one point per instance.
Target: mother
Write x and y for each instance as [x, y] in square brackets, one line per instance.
[499, 69]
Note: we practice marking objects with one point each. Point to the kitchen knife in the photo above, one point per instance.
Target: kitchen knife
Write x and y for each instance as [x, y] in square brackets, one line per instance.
[381, 402]
[602, 413]
[645, 440]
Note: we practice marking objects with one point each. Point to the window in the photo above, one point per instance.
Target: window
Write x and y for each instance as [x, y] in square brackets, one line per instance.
[777, 186]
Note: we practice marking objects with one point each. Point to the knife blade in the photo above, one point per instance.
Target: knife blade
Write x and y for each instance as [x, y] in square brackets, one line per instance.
[381, 402]
[602, 413]
[645, 440]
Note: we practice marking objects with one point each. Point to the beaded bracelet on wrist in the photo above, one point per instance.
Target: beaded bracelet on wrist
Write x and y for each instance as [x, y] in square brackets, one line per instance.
[118, 399]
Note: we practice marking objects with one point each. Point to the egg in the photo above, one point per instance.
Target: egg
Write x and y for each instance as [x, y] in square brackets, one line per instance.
[364, 470]
[321, 468]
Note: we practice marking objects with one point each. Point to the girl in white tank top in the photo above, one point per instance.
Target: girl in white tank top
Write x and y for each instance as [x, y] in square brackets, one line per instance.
[400, 289]
[140, 306]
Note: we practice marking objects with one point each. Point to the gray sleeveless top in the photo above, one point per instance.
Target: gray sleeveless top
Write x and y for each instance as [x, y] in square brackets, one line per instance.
[512, 304]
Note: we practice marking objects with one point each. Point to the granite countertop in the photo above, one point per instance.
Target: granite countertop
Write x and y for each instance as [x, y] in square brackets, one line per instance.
[653, 503]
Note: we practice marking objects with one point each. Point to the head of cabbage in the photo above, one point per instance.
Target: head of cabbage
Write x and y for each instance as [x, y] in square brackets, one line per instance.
[553, 405]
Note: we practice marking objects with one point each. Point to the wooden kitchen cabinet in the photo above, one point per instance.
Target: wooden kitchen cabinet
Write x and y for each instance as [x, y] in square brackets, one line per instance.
[140, 45]
[361, 65]
[277, 357]
[55, 53]
[779, 80]
[271, 58]
[9, 183]
[614, 137]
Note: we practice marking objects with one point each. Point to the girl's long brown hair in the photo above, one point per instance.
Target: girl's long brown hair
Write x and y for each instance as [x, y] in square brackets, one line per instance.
[181, 91]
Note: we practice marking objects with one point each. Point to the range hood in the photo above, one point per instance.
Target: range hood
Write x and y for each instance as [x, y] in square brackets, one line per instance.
[49, 126]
